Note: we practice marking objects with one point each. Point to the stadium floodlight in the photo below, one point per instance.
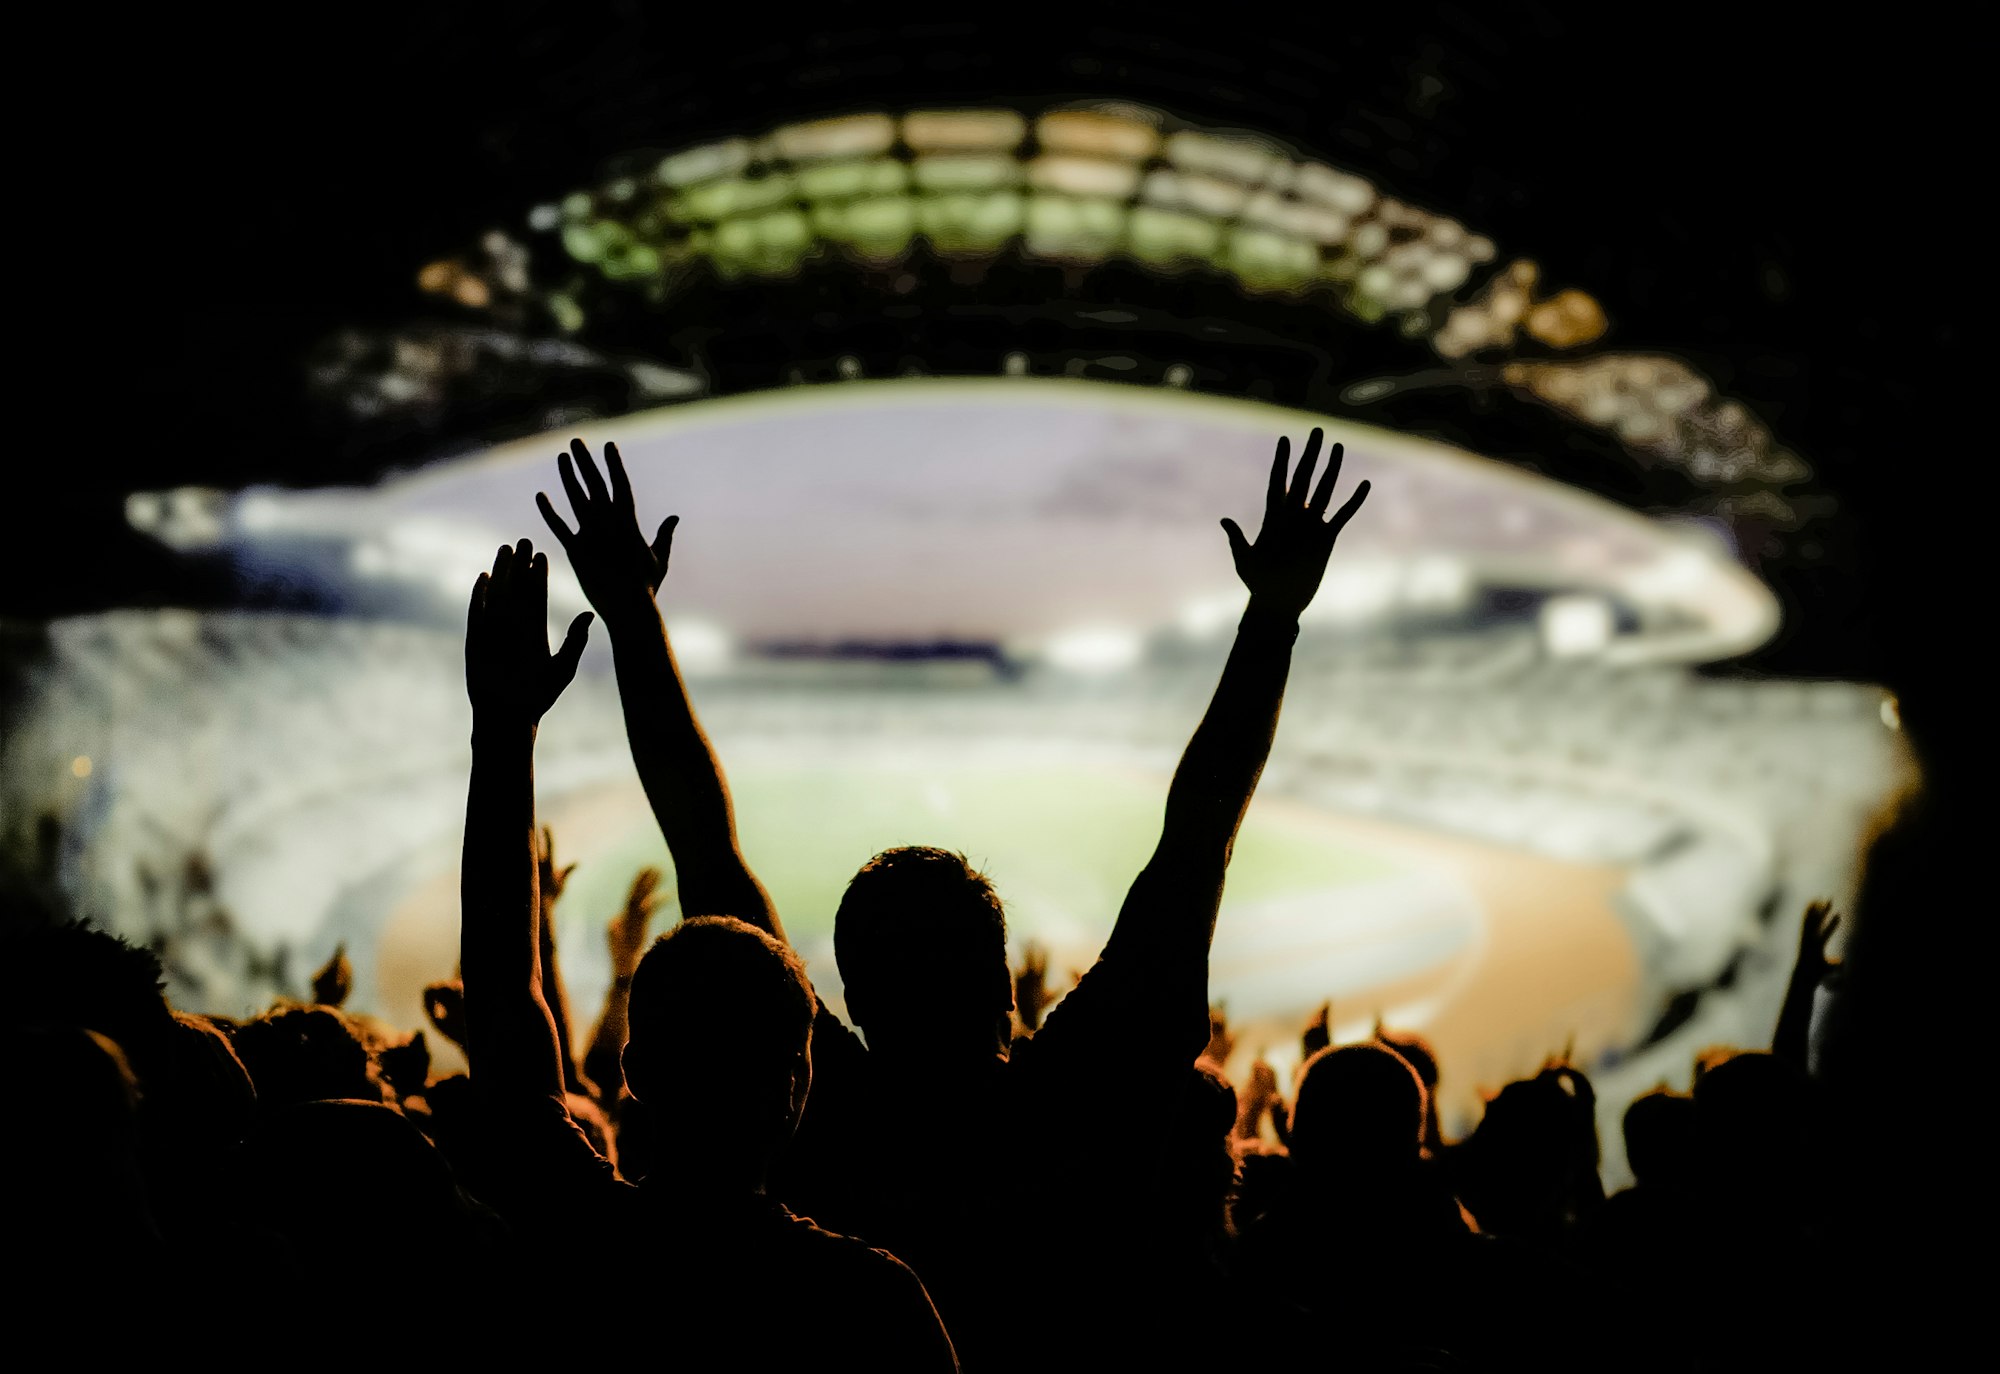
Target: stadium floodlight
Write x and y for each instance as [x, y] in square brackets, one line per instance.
[700, 646]
[1672, 578]
[186, 518]
[1356, 592]
[256, 511]
[1095, 650]
[1207, 616]
[1576, 626]
[1438, 583]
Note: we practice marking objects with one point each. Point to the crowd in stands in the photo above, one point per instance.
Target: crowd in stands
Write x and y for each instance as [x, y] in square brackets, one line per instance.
[982, 1172]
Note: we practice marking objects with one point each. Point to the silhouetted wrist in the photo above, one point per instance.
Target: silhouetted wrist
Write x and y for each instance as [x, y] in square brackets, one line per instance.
[1264, 621]
[632, 615]
[495, 729]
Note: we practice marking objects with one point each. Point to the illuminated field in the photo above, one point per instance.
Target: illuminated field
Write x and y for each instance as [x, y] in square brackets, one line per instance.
[1318, 906]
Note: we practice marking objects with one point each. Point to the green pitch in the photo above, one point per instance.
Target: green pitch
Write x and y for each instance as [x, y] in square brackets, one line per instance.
[1062, 845]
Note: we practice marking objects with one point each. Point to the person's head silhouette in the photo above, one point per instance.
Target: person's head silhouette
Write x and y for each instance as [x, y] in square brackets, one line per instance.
[921, 940]
[720, 1047]
[1359, 1107]
[1660, 1138]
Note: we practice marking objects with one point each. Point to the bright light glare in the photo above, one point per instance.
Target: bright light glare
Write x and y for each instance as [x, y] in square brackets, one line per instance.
[1440, 583]
[1576, 625]
[1096, 650]
[1355, 592]
[185, 518]
[256, 511]
[1673, 577]
[1208, 615]
[699, 647]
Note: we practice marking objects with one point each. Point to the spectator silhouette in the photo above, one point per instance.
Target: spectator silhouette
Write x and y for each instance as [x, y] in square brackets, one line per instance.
[1365, 1255]
[920, 938]
[76, 1188]
[721, 1025]
[1528, 1171]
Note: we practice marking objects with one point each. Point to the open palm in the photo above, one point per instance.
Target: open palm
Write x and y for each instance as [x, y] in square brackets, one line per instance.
[1284, 567]
[620, 571]
[509, 672]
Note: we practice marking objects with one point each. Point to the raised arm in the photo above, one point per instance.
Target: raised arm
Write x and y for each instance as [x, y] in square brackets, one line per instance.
[1171, 908]
[620, 573]
[627, 938]
[1793, 1038]
[512, 679]
[549, 882]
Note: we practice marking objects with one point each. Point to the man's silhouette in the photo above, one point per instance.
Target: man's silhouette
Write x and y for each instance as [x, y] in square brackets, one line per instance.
[1013, 1131]
[721, 1022]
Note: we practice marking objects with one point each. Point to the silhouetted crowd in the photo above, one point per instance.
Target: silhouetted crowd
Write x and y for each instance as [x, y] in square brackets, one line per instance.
[977, 1173]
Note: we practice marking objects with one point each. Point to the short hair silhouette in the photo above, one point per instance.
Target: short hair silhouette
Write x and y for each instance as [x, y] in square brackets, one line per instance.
[306, 1054]
[921, 941]
[1752, 1113]
[1359, 1104]
[1660, 1137]
[1415, 1051]
[64, 972]
[721, 1031]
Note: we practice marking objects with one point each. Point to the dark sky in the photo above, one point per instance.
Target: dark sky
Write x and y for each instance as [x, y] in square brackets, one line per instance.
[1777, 203]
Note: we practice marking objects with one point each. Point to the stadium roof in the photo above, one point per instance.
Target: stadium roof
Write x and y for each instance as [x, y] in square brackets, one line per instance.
[1008, 510]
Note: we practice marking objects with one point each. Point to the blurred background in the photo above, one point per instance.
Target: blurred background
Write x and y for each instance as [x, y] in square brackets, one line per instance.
[951, 340]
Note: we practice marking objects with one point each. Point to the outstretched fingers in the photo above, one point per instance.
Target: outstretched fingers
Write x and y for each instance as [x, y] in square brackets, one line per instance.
[1353, 504]
[476, 612]
[1322, 496]
[1239, 547]
[1302, 477]
[563, 533]
[592, 479]
[537, 608]
[563, 667]
[1274, 495]
[663, 542]
[578, 502]
[621, 485]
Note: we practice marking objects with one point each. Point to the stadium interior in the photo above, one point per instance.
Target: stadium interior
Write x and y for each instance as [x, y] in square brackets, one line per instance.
[950, 394]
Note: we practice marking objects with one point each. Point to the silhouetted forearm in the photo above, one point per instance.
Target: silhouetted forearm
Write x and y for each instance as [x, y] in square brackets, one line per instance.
[601, 1062]
[1212, 787]
[1220, 767]
[1793, 1038]
[511, 1039]
[682, 777]
[554, 996]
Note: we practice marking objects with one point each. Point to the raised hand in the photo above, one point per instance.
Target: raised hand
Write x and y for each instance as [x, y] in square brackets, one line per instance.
[444, 1004]
[1259, 1098]
[407, 1067]
[509, 672]
[619, 570]
[1220, 1041]
[1319, 1031]
[334, 980]
[1283, 568]
[1031, 986]
[1814, 936]
[552, 880]
[627, 932]
[1792, 1039]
